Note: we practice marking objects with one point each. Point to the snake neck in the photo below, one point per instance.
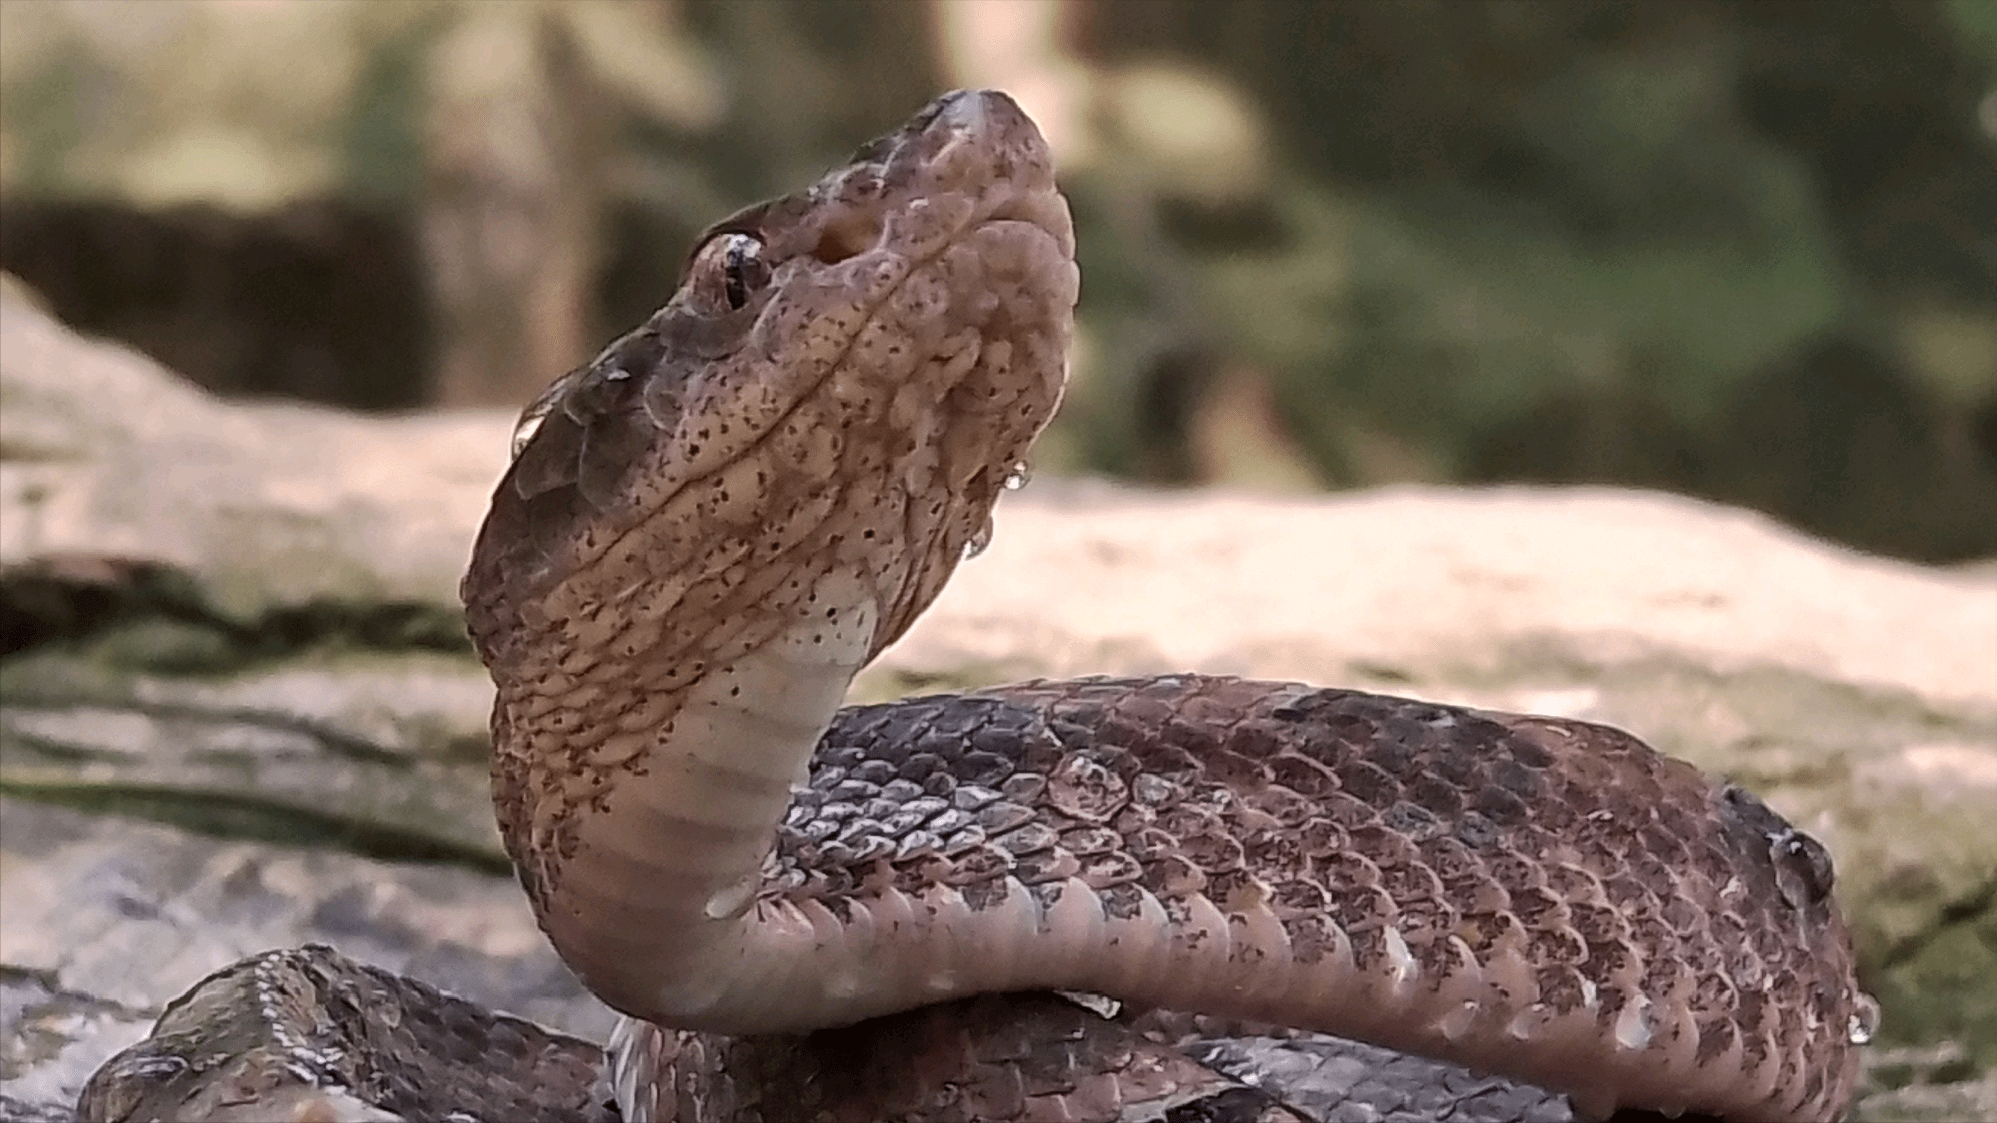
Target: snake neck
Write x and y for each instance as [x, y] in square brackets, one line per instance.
[668, 795]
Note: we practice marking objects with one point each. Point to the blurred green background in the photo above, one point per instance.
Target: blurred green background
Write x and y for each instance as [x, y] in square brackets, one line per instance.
[1744, 250]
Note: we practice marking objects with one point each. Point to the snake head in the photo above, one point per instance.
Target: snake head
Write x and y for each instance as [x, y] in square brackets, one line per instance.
[854, 369]
[788, 459]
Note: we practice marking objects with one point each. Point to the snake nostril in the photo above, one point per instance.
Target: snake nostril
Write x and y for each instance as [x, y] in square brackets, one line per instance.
[848, 237]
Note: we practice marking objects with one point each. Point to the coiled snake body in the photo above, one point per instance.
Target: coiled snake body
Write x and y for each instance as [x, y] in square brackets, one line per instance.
[710, 529]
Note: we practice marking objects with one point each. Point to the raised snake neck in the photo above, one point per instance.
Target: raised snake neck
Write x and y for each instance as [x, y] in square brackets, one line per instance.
[711, 528]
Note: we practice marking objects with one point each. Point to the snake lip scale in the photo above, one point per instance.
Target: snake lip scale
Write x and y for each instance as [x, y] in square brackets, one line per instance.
[706, 533]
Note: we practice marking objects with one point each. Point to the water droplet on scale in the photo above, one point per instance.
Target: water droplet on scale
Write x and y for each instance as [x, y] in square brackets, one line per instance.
[1018, 476]
[1864, 1020]
[1101, 1005]
[978, 541]
[529, 423]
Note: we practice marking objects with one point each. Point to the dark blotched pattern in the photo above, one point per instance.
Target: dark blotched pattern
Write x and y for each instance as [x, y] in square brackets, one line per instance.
[1613, 873]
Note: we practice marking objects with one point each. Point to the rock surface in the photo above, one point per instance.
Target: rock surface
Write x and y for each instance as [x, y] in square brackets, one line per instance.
[238, 713]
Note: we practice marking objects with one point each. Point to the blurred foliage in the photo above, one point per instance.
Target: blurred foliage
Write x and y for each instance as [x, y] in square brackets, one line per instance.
[1744, 249]
[1977, 21]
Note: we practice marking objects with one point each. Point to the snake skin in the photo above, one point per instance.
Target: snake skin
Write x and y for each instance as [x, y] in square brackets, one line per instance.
[710, 529]
[1485, 856]
[308, 1034]
[996, 1058]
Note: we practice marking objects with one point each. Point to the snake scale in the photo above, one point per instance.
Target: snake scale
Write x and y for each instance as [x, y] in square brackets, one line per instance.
[707, 531]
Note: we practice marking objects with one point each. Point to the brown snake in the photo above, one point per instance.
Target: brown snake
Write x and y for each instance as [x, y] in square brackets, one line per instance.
[710, 529]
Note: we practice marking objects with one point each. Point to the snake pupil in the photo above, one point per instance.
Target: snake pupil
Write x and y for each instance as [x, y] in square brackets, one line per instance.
[743, 270]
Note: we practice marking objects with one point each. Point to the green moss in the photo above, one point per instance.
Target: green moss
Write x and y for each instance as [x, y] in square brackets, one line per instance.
[1944, 990]
[233, 815]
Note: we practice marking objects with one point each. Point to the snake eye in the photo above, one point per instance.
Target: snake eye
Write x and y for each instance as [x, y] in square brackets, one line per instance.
[1803, 871]
[728, 271]
[746, 270]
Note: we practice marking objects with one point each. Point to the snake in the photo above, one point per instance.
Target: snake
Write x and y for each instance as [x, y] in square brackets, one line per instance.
[705, 534]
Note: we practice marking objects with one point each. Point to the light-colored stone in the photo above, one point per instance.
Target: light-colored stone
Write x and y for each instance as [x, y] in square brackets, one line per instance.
[103, 920]
[1455, 583]
[103, 452]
